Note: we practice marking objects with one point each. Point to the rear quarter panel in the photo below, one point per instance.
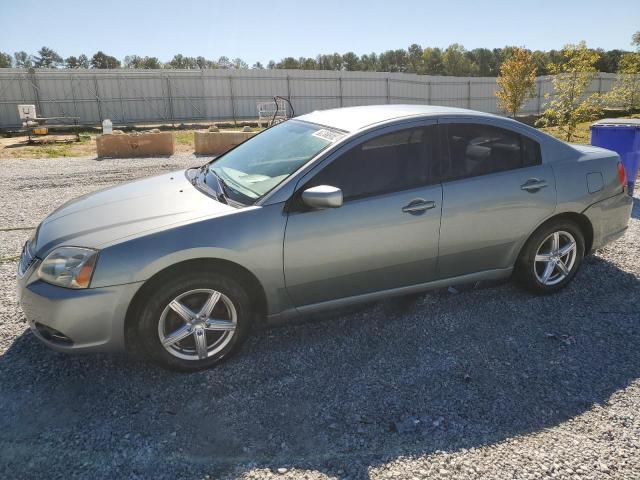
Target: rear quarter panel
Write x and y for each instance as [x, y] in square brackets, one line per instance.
[589, 184]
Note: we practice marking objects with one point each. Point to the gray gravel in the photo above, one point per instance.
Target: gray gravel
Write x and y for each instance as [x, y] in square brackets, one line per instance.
[487, 383]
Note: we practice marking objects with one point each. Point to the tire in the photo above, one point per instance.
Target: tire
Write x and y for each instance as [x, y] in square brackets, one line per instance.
[163, 317]
[539, 260]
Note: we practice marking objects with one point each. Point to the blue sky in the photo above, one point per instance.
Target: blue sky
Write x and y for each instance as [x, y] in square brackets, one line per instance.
[272, 29]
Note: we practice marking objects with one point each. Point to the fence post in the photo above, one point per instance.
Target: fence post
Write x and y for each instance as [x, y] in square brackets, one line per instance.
[599, 83]
[99, 105]
[73, 95]
[204, 94]
[469, 94]
[539, 99]
[428, 93]
[388, 91]
[124, 118]
[340, 86]
[36, 93]
[233, 105]
[170, 100]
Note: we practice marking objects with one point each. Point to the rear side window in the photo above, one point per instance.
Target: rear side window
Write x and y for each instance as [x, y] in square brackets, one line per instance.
[477, 149]
[396, 161]
[530, 152]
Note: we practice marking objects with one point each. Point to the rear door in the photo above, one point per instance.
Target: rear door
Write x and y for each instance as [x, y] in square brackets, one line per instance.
[495, 191]
[384, 236]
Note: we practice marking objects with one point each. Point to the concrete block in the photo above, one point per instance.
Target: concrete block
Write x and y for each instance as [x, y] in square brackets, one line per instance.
[142, 145]
[216, 143]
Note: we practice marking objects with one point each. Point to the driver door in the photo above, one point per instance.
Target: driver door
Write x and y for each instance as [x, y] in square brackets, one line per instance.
[385, 234]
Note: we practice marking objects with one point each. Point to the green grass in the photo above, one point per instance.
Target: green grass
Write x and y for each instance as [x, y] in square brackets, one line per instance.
[184, 138]
[582, 133]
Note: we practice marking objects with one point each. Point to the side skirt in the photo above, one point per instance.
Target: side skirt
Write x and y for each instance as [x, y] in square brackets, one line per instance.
[293, 313]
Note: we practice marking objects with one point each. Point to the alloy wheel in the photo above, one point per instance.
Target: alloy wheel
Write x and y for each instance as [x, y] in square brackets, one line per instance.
[555, 258]
[197, 324]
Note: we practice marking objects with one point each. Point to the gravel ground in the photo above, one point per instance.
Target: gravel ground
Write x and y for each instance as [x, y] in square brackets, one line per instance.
[490, 382]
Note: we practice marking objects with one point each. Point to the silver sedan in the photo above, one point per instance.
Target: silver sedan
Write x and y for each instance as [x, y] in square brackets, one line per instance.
[325, 210]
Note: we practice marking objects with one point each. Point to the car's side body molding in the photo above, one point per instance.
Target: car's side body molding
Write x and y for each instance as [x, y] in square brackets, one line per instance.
[292, 313]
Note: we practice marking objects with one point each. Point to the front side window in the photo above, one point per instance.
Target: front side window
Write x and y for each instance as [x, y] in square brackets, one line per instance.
[396, 161]
[477, 149]
[258, 165]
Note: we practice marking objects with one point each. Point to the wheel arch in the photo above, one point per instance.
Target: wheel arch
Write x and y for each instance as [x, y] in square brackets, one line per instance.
[580, 219]
[247, 279]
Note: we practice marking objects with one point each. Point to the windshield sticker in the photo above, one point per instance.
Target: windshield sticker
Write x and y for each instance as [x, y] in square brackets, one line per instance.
[328, 135]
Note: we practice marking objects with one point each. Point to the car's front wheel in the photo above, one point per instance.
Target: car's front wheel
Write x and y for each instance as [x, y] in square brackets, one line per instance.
[551, 257]
[194, 321]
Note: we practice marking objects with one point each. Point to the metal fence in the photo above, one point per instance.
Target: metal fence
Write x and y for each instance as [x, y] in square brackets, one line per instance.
[173, 96]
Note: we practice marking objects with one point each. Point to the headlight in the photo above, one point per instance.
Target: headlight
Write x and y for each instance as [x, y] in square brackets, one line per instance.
[69, 267]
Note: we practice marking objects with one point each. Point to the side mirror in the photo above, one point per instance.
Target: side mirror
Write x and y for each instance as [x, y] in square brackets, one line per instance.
[322, 196]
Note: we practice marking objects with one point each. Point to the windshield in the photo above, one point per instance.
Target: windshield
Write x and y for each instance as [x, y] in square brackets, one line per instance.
[256, 166]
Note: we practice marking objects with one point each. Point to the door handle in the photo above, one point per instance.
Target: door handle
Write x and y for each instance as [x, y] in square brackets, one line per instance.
[418, 205]
[533, 185]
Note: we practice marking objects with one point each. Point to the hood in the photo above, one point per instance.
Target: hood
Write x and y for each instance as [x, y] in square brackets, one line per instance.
[129, 209]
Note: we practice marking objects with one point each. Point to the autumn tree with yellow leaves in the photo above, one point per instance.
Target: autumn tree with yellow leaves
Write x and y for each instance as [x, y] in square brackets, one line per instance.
[516, 82]
[626, 91]
[570, 103]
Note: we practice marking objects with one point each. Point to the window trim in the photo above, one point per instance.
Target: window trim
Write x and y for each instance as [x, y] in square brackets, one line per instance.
[445, 148]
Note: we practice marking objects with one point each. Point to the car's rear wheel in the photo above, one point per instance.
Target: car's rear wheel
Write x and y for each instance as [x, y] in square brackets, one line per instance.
[551, 257]
[194, 321]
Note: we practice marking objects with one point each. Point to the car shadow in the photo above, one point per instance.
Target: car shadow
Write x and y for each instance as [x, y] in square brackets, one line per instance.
[451, 369]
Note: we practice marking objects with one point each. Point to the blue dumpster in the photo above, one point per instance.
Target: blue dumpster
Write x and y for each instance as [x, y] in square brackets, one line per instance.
[622, 135]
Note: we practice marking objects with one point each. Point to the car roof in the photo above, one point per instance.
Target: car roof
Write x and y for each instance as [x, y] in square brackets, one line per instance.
[351, 119]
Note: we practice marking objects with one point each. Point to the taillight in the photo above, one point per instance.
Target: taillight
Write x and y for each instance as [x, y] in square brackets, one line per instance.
[622, 174]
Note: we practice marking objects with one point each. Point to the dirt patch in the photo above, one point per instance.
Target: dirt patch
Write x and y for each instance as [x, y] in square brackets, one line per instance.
[55, 145]
[49, 146]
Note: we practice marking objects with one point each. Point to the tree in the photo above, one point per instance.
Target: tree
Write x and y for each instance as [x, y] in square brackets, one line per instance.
[204, 64]
[239, 63]
[415, 60]
[517, 81]
[258, 66]
[5, 60]
[369, 63]
[289, 63]
[483, 59]
[23, 59]
[181, 62]
[626, 91]
[71, 62]
[455, 61]
[77, 62]
[308, 63]
[134, 61]
[83, 61]
[572, 77]
[432, 61]
[47, 58]
[224, 62]
[393, 61]
[542, 61]
[351, 62]
[104, 61]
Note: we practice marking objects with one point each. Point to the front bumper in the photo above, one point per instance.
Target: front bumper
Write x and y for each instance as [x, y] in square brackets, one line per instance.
[68, 320]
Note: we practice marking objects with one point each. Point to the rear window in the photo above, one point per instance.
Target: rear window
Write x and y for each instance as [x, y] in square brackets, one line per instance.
[478, 149]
